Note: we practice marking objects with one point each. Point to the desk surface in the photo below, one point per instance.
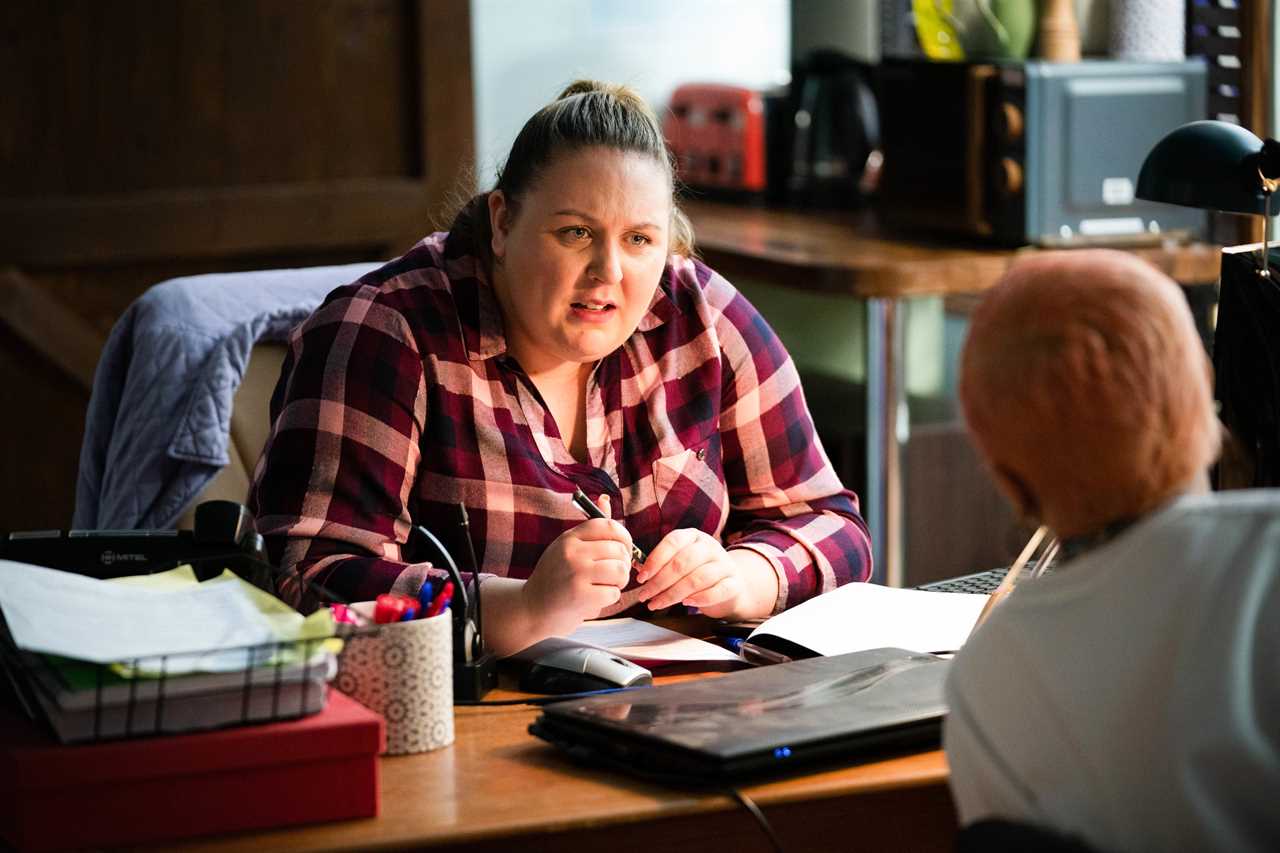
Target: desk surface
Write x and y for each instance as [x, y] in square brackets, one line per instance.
[847, 252]
[499, 788]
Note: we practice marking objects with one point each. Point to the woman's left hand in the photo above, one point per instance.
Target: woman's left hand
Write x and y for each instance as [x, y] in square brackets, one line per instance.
[691, 567]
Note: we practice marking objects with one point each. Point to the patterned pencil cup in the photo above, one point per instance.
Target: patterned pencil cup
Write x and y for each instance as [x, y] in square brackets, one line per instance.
[405, 673]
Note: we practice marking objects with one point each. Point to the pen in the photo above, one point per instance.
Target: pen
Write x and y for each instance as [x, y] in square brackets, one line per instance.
[752, 653]
[425, 594]
[590, 510]
[441, 600]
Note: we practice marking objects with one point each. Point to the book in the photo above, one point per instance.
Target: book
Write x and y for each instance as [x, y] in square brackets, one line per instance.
[861, 616]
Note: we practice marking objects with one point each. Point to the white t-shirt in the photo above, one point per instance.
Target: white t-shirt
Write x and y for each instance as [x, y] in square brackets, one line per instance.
[1132, 697]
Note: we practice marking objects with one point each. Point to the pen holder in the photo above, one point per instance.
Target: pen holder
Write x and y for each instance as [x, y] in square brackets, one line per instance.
[404, 671]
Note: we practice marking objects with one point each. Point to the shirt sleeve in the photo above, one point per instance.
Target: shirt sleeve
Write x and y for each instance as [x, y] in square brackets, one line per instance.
[785, 501]
[331, 490]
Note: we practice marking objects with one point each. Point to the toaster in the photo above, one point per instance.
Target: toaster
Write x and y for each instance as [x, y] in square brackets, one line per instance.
[719, 135]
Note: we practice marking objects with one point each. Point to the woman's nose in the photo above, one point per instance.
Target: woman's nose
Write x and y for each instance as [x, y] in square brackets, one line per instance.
[606, 265]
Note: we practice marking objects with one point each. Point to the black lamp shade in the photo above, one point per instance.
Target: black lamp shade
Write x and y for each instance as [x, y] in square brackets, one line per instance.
[1205, 164]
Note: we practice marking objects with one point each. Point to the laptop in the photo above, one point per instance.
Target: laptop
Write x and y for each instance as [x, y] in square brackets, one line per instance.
[978, 582]
[758, 722]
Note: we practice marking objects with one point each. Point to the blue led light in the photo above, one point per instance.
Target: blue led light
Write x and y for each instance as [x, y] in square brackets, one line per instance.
[782, 752]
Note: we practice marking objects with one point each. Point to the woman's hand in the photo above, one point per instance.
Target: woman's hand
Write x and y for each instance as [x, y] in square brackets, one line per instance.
[691, 567]
[580, 574]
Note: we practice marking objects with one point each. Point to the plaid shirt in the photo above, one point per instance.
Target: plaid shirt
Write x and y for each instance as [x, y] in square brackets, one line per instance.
[398, 401]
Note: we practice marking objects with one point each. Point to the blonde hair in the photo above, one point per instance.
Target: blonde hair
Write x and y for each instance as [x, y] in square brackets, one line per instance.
[1084, 381]
[587, 113]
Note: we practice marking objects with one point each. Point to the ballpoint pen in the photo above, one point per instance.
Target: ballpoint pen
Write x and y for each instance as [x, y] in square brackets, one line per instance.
[441, 600]
[425, 594]
[590, 510]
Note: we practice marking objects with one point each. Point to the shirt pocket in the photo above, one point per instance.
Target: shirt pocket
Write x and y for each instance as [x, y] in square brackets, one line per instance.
[690, 488]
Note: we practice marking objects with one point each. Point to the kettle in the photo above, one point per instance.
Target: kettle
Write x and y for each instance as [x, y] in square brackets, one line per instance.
[835, 133]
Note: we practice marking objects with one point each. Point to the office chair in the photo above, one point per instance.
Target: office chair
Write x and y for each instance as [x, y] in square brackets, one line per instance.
[1006, 836]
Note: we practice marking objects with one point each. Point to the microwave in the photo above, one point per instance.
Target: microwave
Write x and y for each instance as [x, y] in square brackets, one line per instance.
[1032, 152]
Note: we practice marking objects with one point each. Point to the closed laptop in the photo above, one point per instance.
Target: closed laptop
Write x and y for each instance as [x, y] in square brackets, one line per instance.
[761, 721]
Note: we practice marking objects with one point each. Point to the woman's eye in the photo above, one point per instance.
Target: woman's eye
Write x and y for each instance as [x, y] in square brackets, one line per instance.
[576, 232]
[640, 240]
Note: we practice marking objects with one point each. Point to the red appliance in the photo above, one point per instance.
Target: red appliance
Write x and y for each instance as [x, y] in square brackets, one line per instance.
[717, 134]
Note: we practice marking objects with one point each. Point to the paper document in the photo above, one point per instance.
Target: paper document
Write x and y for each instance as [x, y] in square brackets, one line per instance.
[61, 613]
[635, 640]
[860, 616]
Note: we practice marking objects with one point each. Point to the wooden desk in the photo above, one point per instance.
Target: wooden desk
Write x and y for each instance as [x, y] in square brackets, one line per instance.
[848, 254]
[499, 788]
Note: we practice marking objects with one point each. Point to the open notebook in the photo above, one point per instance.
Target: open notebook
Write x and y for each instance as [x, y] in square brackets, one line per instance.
[861, 616]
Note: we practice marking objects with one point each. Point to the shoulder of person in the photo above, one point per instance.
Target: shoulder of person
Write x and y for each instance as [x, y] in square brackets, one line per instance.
[410, 277]
[694, 283]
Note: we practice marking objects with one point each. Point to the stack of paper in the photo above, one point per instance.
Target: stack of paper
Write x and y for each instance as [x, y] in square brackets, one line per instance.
[160, 653]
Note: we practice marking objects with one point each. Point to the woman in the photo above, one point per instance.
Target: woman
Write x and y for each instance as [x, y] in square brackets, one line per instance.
[559, 336]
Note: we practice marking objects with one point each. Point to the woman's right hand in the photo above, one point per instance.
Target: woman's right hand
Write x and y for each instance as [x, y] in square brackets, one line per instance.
[580, 574]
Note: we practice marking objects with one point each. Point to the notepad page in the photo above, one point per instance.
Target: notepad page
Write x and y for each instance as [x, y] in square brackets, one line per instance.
[61, 613]
[635, 640]
[861, 616]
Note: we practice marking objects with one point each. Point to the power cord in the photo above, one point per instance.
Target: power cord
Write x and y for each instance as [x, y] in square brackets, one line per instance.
[754, 810]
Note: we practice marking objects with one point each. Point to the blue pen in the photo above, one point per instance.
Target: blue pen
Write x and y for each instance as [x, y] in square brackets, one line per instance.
[425, 594]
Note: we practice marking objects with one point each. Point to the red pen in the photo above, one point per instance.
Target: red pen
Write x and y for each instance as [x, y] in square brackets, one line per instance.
[440, 601]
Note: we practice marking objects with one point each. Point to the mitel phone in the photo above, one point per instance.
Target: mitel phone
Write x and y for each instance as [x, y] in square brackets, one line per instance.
[223, 537]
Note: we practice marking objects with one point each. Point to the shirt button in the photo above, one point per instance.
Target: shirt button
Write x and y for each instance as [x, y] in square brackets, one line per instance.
[701, 454]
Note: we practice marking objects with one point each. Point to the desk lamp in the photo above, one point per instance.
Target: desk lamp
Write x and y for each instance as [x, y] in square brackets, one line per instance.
[1218, 166]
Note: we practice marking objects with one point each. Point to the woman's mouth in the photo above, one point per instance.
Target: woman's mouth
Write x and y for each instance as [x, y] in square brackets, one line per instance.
[593, 311]
[594, 307]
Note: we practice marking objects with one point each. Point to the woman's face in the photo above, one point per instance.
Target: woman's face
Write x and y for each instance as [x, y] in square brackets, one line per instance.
[578, 262]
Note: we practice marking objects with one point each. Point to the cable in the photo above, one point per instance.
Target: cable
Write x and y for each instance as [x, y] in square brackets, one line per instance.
[750, 806]
[475, 572]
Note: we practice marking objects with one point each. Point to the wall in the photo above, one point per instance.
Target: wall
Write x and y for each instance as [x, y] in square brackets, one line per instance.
[524, 53]
[145, 139]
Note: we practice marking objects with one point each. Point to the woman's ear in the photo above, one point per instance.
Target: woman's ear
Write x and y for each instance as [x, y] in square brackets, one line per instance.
[499, 224]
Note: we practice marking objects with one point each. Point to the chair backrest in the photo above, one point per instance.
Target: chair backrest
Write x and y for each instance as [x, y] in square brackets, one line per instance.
[250, 425]
[179, 410]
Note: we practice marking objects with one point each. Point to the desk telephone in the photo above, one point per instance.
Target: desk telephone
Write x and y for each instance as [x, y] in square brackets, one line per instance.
[222, 537]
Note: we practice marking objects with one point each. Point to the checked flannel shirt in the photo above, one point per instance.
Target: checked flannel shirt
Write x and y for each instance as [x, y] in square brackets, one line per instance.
[398, 401]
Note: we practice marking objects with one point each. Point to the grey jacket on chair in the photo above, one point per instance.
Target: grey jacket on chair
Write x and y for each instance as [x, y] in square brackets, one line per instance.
[158, 424]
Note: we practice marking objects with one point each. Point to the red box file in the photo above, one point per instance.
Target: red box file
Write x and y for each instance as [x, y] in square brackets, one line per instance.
[319, 768]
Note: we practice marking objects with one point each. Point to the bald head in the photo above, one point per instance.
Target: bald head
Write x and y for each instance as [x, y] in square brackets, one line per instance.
[1086, 388]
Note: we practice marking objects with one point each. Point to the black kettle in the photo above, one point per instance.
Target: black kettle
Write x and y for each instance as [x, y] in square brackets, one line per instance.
[835, 132]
